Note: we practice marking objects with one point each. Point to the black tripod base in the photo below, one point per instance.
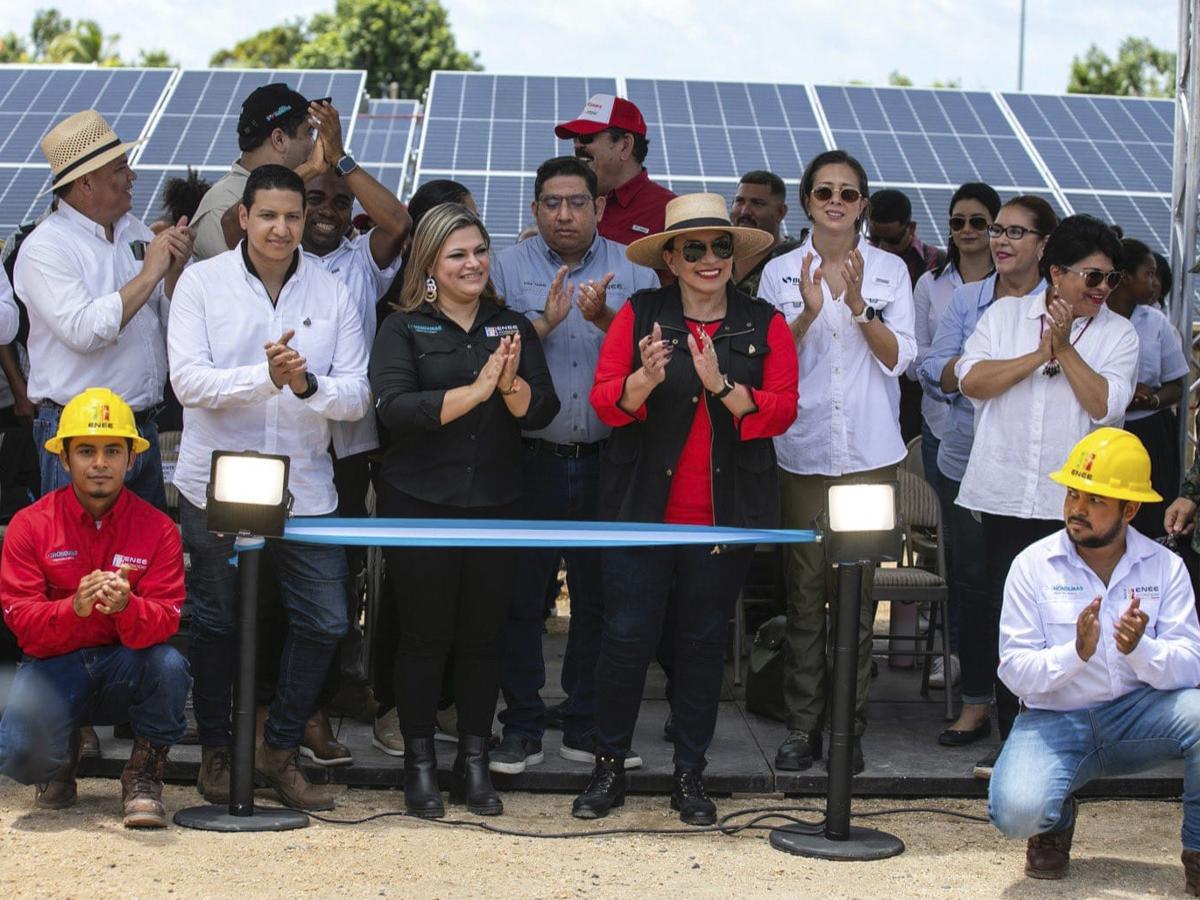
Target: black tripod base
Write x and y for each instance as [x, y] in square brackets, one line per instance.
[217, 818]
[864, 844]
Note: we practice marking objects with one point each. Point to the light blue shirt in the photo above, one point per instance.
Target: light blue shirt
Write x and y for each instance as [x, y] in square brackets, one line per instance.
[522, 275]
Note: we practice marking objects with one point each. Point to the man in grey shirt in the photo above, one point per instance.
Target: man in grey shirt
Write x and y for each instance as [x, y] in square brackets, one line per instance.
[569, 281]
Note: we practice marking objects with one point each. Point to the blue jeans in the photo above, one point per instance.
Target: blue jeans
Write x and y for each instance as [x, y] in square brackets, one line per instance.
[555, 488]
[1050, 755]
[637, 589]
[145, 478]
[312, 588]
[50, 698]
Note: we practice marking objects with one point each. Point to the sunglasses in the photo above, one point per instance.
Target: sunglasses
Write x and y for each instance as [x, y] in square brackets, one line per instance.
[824, 194]
[1093, 277]
[613, 134]
[1013, 232]
[694, 251]
[958, 223]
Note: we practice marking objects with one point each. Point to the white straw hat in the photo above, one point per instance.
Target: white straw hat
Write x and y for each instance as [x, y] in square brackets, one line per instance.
[80, 144]
[697, 212]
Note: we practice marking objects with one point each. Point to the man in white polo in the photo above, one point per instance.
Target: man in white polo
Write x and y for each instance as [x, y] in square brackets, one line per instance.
[1099, 640]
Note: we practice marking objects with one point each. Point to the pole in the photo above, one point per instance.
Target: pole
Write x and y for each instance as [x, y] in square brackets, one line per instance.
[241, 814]
[1021, 51]
[839, 839]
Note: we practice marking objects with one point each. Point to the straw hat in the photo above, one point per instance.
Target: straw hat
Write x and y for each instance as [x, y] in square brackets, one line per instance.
[696, 212]
[80, 144]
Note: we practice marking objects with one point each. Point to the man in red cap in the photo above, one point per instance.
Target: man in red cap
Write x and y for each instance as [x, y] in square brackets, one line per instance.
[610, 134]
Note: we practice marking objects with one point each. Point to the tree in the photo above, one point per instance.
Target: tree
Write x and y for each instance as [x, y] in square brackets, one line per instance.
[86, 42]
[12, 48]
[47, 25]
[1140, 70]
[154, 59]
[269, 49]
[895, 79]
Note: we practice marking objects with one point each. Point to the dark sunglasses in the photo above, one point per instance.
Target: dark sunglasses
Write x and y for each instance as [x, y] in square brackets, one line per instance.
[958, 223]
[824, 194]
[1093, 277]
[1014, 232]
[694, 251]
[613, 133]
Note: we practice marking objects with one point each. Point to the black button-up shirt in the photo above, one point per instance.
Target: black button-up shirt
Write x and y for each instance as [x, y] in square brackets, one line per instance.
[476, 459]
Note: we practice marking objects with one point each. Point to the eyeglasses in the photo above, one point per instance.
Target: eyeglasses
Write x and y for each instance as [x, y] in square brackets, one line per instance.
[824, 194]
[1013, 232]
[694, 251]
[1093, 277]
[575, 201]
[613, 135]
[958, 223]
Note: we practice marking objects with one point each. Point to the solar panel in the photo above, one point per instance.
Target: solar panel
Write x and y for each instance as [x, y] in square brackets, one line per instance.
[1146, 217]
[198, 124]
[383, 140]
[503, 201]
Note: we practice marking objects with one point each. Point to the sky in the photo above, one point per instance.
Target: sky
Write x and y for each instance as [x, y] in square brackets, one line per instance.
[787, 41]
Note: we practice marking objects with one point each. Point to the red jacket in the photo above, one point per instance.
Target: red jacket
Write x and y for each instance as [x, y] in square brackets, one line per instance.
[52, 544]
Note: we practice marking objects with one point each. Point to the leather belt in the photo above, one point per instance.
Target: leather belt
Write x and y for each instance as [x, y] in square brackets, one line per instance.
[565, 451]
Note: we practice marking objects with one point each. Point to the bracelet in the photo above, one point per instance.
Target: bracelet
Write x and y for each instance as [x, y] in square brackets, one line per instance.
[516, 386]
[1157, 400]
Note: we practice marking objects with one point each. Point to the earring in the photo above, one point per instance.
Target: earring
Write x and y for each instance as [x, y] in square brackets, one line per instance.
[430, 290]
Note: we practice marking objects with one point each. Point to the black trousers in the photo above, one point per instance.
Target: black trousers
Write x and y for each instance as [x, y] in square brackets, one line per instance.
[1159, 433]
[447, 598]
[1005, 537]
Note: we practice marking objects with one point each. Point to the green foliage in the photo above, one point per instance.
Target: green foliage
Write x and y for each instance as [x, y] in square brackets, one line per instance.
[155, 59]
[269, 49]
[47, 25]
[12, 48]
[1140, 70]
[86, 42]
[895, 79]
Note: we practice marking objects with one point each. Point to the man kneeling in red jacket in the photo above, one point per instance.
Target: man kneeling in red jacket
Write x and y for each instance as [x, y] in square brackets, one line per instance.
[91, 582]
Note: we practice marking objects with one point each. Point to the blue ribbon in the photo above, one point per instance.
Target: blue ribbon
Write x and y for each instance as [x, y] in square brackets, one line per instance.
[526, 533]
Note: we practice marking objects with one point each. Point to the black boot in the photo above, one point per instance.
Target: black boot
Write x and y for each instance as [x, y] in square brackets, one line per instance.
[470, 780]
[689, 799]
[604, 792]
[421, 795]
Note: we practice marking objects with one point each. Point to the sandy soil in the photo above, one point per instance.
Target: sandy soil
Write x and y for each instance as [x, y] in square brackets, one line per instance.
[1122, 849]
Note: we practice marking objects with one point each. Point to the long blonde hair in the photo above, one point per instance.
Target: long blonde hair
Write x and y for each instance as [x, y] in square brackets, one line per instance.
[436, 226]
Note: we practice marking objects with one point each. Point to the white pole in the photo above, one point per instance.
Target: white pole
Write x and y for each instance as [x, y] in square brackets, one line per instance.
[1021, 52]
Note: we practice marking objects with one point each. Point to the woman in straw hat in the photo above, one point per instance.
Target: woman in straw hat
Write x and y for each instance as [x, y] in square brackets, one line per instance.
[694, 378]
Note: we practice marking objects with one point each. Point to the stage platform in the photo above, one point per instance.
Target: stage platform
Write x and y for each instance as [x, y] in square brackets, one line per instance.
[902, 755]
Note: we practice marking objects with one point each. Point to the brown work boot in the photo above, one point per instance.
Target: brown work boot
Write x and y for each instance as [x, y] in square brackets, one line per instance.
[89, 742]
[1048, 855]
[213, 780]
[1191, 872]
[280, 769]
[60, 791]
[142, 786]
[319, 744]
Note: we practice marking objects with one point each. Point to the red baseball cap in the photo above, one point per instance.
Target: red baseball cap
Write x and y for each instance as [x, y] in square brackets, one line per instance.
[604, 111]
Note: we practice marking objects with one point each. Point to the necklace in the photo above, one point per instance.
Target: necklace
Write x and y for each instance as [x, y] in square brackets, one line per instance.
[1053, 367]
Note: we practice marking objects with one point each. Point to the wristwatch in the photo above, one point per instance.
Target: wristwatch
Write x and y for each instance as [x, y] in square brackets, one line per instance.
[724, 392]
[345, 165]
[866, 315]
[311, 389]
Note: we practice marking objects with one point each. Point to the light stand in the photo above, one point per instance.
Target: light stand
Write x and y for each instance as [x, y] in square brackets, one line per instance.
[862, 531]
[240, 815]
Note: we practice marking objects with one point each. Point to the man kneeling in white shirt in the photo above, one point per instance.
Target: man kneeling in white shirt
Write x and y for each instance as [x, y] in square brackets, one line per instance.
[1099, 639]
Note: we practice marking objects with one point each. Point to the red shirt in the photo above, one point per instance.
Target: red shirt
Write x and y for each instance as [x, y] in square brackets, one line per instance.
[690, 499]
[635, 209]
[52, 544]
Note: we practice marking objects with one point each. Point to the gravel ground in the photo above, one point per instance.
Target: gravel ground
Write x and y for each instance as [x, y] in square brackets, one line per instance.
[1122, 849]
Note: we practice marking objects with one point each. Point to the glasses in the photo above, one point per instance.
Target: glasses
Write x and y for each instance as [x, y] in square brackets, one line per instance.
[824, 194]
[575, 201]
[958, 223]
[1093, 277]
[613, 135]
[1013, 232]
[694, 251]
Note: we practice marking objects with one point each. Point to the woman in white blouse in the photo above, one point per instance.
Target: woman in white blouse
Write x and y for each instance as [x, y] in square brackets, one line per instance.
[1043, 371]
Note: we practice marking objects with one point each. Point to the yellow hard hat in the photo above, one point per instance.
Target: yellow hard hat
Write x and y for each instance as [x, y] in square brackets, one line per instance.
[1109, 462]
[97, 412]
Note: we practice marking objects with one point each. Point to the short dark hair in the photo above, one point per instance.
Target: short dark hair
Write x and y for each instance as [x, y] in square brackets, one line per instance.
[1077, 237]
[1133, 254]
[766, 179]
[1166, 280]
[1045, 219]
[891, 205]
[561, 166]
[983, 194]
[182, 196]
[272, 177]
[66, 444]
[831, 158]
[289, 123]
[434, 193]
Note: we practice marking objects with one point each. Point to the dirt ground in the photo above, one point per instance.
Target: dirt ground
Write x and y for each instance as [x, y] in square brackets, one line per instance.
[1122, 849]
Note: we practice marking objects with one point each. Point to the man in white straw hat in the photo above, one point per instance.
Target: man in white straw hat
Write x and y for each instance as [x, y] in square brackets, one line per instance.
[97, 283]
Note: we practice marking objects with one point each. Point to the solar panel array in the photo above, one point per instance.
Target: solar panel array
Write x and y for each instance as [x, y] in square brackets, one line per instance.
[383, 139]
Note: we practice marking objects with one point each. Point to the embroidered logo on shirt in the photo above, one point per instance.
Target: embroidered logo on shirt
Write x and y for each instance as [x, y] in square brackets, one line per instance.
[640, 229]
[879, 279]
[59, 555]
[426, 329]
[130, 562]
[501, 330]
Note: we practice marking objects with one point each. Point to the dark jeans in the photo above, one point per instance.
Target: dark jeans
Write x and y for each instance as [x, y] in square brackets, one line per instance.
[1005, 537]
[50, 698]
[447, 597]
[312, 588]
[145, 478]
[637, 587]
[966, 566]
[351, 478]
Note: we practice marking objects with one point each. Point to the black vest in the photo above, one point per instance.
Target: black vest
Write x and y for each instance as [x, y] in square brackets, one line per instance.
[639, 458]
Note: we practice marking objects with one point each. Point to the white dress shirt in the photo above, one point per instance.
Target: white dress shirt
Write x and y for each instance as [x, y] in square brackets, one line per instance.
[1027, 432]
[849, 405]
[70, 276]
[1160, 353]
[10, 321]
[1048, 587]
[220, 319]
[931, 296]
[353, 264]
